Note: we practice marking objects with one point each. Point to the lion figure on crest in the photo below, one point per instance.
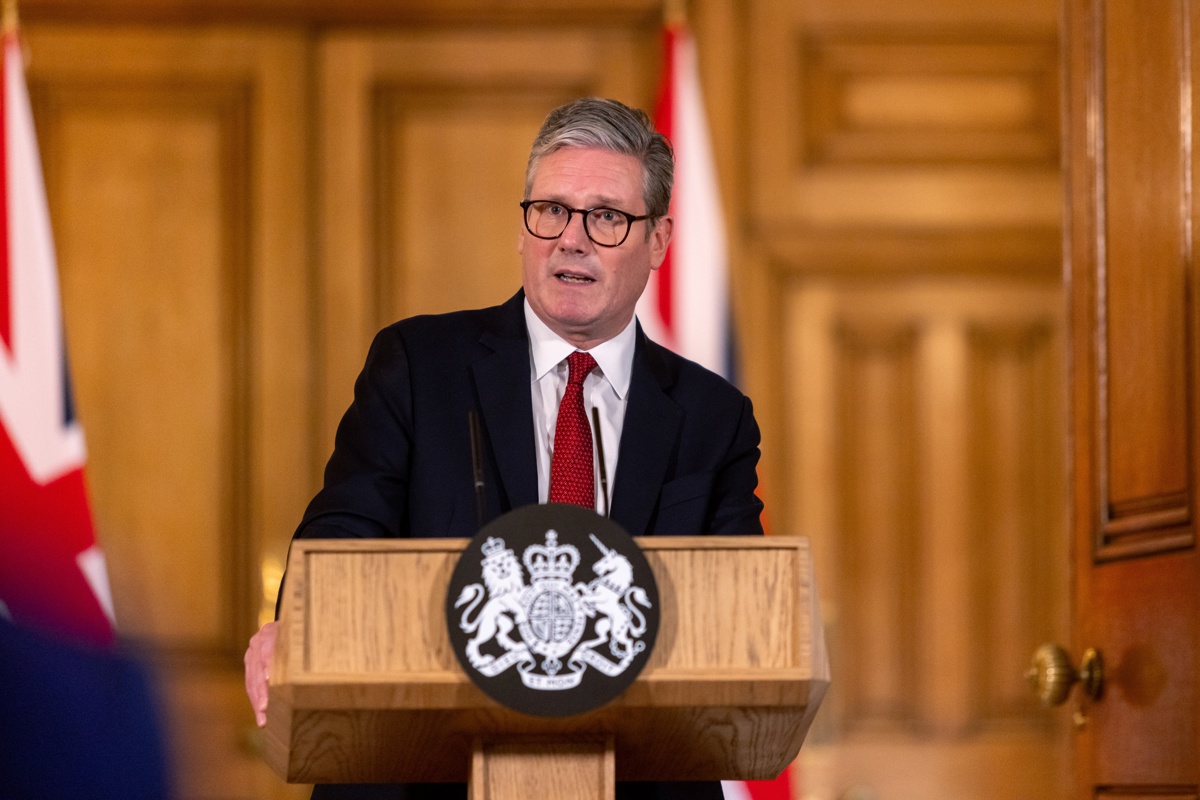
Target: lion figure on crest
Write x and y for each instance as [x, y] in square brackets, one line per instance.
[502, 612]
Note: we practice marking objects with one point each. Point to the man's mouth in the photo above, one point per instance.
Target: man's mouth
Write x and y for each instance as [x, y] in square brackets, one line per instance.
[571, 277]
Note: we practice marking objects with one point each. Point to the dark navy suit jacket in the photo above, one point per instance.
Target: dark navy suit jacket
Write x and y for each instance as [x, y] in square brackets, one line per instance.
[402, 467]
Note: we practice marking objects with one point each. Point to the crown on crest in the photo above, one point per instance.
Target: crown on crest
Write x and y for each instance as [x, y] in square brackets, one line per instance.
[494, 550]
[551, 561]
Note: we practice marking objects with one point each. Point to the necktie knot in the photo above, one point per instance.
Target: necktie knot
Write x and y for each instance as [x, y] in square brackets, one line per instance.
[579, 366]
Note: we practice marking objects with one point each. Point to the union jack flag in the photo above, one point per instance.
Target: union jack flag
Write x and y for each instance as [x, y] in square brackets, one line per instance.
[52, 573]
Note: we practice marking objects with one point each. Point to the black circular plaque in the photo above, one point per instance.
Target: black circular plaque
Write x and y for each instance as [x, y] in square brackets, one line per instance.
[552, 610]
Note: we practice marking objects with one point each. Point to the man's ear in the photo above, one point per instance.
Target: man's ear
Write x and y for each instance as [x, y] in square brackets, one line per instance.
[660, 238]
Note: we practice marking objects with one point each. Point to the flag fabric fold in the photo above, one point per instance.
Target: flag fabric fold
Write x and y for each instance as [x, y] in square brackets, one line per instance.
[686, 303]
[52, 573]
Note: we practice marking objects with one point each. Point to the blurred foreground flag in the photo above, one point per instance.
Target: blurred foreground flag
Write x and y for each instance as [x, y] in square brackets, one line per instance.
[52, 574]
[686, 303]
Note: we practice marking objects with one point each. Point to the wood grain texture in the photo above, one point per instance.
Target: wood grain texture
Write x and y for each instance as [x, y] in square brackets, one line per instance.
[1144, 252]
[514, 770]
[737, 708]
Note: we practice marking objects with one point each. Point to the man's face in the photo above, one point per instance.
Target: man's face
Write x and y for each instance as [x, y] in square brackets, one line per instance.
[586, 293]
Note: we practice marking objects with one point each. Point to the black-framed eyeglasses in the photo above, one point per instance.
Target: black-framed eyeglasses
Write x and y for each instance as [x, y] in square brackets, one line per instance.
[607, 227]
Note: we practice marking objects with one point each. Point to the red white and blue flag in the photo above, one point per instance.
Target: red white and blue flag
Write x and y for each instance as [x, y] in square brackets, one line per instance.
[686, 303]
[52, 573]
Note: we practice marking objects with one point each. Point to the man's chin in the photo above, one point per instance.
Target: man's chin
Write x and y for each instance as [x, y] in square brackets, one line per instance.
[577, 327]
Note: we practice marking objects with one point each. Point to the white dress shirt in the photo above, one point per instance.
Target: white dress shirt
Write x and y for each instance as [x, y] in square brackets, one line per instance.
[606, 388]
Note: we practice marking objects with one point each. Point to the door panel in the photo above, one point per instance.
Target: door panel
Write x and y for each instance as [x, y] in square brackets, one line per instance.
[1132, 294]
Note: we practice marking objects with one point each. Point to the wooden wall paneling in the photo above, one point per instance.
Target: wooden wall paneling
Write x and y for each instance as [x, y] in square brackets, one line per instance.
[878, 583]
[165, 303]
[904, 176]
[945, 514]
[889, 120]
[600, 13]
[868, 253]
[175, 164]
[929, 97]
[956, 563]
[424, 137]
[1018, 580]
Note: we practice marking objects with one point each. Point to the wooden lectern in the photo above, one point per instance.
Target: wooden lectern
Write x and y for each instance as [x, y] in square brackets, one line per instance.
[365, 686]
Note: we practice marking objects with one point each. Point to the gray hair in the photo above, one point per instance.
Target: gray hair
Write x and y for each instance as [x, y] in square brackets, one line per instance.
[611, 125]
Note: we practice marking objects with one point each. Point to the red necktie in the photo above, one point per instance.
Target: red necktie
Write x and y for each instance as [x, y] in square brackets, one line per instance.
[572, 476]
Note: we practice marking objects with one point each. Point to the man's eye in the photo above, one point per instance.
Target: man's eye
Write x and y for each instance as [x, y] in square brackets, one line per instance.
[555, 210]
[606, 215]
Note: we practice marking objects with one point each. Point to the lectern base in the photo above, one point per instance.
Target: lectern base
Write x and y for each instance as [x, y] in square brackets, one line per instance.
[519, 769]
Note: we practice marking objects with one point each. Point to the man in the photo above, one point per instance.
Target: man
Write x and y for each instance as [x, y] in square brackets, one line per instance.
[596, 222]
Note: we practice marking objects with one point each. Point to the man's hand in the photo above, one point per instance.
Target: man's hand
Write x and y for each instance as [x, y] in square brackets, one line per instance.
[258, 669]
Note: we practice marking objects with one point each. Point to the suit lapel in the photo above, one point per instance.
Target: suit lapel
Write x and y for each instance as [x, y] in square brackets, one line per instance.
[648, 440]
[501, 380]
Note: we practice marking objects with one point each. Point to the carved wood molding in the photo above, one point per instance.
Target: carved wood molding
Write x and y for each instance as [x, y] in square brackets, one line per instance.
[1015, 494]
[611, 13]
[879, 524]
[1024, 252]
[1142, 341]
[914, 97]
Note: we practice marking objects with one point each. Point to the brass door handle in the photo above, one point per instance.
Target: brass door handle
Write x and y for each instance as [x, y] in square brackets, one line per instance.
[1051, 674]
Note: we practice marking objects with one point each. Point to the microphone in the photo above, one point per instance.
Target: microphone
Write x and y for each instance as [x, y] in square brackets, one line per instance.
[600, 455]
[477, 464]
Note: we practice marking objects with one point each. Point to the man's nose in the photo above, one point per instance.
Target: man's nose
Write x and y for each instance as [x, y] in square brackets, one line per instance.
[575, 237]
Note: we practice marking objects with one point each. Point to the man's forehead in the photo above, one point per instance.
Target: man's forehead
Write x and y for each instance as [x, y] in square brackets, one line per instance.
[594, 175]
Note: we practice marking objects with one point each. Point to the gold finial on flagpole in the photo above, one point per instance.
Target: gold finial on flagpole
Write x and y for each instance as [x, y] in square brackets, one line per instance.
[674, 12]
[8, 17]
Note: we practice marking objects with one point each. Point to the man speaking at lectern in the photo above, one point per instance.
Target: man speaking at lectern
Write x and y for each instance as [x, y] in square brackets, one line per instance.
[679, 443]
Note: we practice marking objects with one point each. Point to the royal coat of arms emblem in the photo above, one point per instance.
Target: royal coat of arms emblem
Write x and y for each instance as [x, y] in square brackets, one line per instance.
[528, 615]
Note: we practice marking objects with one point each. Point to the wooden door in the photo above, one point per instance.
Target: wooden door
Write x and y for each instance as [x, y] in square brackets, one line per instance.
[1133, 329]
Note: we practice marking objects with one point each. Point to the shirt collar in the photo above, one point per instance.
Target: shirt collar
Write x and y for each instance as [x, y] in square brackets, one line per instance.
[614, 357]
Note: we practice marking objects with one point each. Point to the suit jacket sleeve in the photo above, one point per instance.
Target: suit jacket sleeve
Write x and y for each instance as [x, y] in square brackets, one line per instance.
[711, 490]
[689, 452]
[736, 507]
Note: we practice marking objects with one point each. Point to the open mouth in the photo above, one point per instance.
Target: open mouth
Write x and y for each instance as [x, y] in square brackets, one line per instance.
[570, 277]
